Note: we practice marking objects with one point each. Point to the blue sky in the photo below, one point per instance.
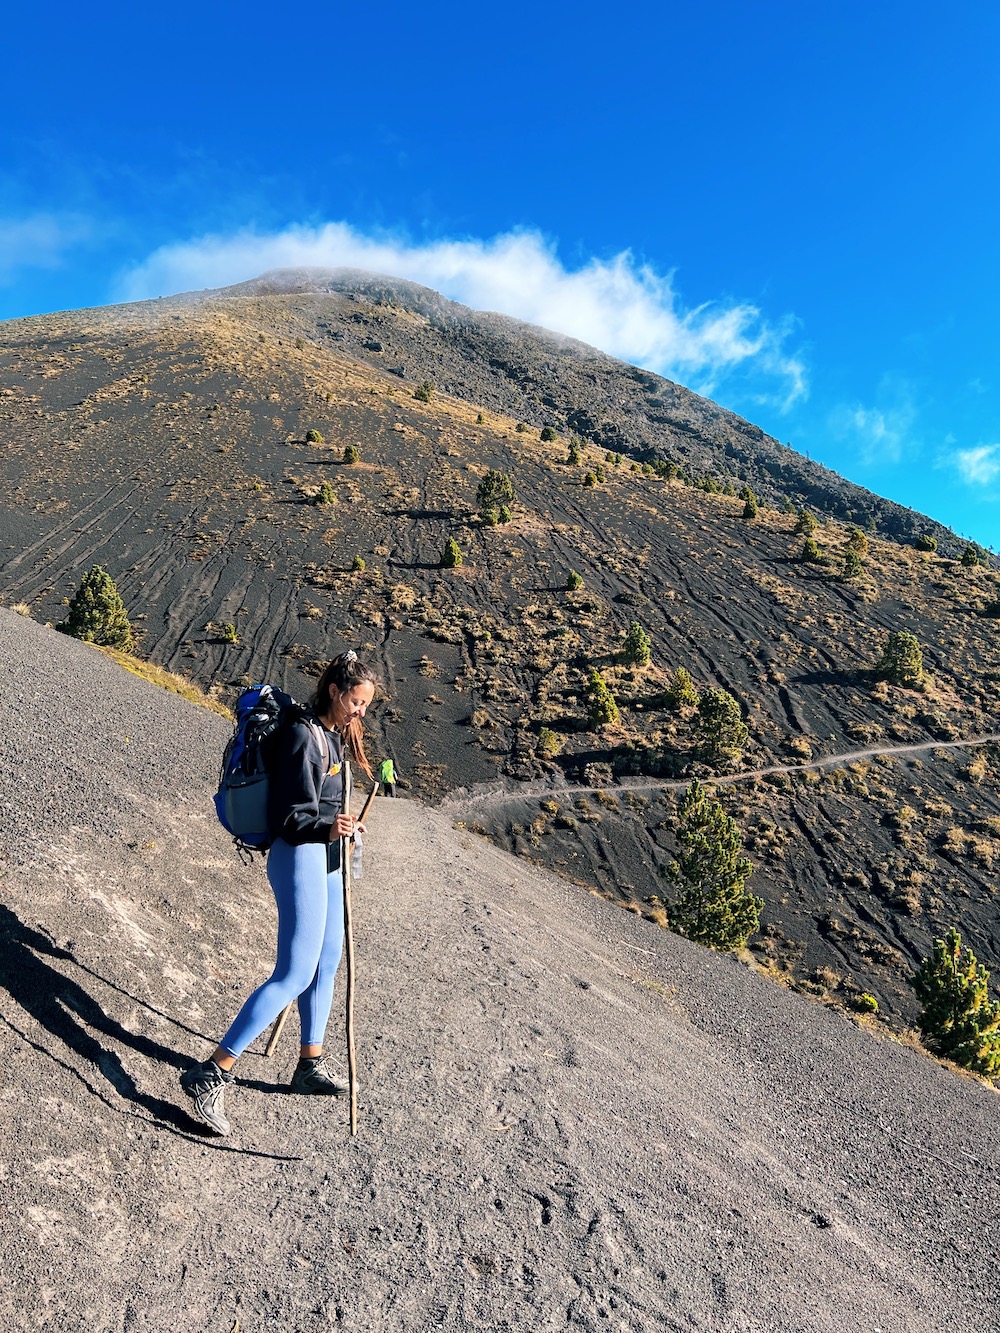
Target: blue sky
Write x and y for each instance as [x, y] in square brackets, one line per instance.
[790, 207]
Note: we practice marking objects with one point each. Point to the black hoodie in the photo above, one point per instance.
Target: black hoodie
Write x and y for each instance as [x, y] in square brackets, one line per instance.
[306, 783]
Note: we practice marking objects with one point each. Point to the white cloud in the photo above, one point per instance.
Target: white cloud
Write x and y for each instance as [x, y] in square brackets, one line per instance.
[881, 435]
[41, 240]
[623, 307]
[979, 466]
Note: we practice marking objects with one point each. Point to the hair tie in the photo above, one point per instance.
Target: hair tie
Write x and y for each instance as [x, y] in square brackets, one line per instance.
[349, 656]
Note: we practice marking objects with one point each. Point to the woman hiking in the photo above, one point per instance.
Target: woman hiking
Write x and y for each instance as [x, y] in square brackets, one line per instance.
[307, 820]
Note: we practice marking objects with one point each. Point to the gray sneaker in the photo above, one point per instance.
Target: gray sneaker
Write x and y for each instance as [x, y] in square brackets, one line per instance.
[205, 1084]
[314, 1076]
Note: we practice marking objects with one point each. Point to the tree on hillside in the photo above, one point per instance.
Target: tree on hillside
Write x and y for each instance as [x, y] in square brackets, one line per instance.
[547, 435]
[811, 554]
[575, 453]
[636, 651]
[972, 556]
[494, 495]
[603, 711]
[925, 542]
[681, 692]
[805, 524]
[97, 613]
[451, 556]
[858, 543]
[352, 453]
[722, 733]
[854, 566]
[751, 505]
[958, 1020]
[902, 660]
[713, 905]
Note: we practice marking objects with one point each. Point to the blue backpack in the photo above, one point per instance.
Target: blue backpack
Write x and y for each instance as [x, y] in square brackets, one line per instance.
[241, 801]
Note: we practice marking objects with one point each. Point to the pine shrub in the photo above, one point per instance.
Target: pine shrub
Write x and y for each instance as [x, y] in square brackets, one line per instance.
[495, 491]
[359, 564]
[713, 906]
[858, 542]
[681, 692]
[451, 556]
[313, 436]
[352, 454]
[958, 1019]
[811, 553]
[722, 733]
[424, 392]
[854, 566]
[326, 495]
[575, 454]
[548, 435]
[97, 613]
[637, 650]
[805, 524]
[549, 743]
[902, 660]
[603, 709]
[574, 581]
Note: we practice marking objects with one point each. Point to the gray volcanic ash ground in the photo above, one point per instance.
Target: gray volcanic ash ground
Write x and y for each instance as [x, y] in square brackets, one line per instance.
[569, 1118]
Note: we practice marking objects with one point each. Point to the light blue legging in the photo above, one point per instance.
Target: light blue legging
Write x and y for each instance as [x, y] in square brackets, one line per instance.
[310, 940]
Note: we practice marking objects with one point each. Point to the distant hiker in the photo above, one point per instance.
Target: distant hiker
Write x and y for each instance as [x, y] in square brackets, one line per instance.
[387, 777]
[307, 821]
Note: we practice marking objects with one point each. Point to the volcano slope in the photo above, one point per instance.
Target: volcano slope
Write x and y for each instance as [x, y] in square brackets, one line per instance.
[568, 1119]
[173, 442]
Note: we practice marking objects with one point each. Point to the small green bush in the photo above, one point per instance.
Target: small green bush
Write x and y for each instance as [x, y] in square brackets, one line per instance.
[681, 692]
[971, 557]
[958, 1020]
[352, 454]
[424, 392]
[637, 649]
[714, 906]
[480, 419]
[574, 581]
[228, 633]
[902, 660]
[574, 454]
[495, 491]
[521, 427]
[805, 524]
[858, 543]
[722, 733]
[549, 743]
[854, 566]
[603, 710]
[811, 553]
[97, 613]
[504, 514]
[548, 435]
[326, 495]
[451, 556]
[866, 1004]
[589, 479]
[313, 436]
[925, 542]
[359, 564]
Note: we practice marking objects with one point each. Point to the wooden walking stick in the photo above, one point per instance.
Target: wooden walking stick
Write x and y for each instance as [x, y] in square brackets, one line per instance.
[345, 870]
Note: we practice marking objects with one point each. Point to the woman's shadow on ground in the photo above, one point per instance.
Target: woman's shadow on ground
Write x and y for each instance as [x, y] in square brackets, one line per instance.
[69, 1015]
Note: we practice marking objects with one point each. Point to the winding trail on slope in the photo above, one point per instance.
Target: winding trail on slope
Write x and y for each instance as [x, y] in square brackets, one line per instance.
[464, 801]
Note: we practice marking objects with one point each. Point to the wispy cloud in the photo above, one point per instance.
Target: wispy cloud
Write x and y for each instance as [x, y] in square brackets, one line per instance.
[883, 434]
[620, 305]
[979, 466]
[39, 240]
